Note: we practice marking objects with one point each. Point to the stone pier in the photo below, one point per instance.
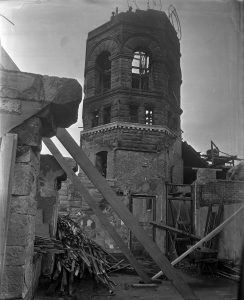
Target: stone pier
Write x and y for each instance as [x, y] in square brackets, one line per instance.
[32, 106]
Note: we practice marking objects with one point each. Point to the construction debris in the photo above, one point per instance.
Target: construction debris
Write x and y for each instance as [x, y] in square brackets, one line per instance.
[228, 270]
[48, 245]
[81, 253]
[75, 254]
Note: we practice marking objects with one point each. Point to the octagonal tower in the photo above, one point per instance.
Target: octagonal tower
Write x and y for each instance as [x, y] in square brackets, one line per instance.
[131, 108]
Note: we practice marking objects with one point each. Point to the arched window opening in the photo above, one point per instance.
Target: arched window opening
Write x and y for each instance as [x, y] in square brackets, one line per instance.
[103, 68]
[149, 115]
[95, 118]
[101, 162]
[107, 114]
[140, 70]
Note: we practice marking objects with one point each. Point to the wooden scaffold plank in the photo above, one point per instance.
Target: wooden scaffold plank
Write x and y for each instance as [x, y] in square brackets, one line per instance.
[91, 202]
[208, 237]
[175, 230]
[125, 215]
[7, 161]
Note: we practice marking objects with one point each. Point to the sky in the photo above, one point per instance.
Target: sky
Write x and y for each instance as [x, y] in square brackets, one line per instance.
[49, 37]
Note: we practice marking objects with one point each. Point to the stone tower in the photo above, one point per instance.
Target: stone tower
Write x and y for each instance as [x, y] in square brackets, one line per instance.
[131, 108]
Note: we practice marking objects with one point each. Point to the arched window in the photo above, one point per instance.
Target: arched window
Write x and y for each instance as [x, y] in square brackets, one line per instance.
[149, 115]
[140, 70]
[95, 118]
[101, 162]
[103, 72]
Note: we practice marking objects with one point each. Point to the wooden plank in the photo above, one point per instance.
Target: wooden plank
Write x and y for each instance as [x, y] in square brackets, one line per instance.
[176, 230]
[180, 198]
[7, 161]
[91, 202]
[101, 184]
[205, 239]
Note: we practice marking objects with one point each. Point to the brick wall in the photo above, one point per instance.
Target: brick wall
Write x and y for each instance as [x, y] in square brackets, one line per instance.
[220, 191]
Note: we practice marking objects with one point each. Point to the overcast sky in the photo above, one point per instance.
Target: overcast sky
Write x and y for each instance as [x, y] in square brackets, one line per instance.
[49, 37]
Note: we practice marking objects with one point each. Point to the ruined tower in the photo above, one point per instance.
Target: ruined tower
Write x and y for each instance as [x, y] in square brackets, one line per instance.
[131, 108]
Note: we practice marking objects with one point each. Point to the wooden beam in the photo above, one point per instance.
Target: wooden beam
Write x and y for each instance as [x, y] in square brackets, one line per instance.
[205, 239]
[176, 230]
[101, 184]
[91, 202]
[7, 162]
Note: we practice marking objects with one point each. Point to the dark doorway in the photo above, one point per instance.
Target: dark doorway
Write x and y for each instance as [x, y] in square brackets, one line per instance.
[101, 162]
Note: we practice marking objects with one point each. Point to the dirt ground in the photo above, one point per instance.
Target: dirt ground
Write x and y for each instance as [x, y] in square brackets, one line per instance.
[205, 288]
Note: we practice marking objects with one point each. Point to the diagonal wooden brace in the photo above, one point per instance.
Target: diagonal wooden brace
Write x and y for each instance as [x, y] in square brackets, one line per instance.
[208, 237]
[90, 201]
[101, 184]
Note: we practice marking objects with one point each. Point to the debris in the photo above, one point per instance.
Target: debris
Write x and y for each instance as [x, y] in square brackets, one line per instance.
[80, 253]
[48, 245]
[144, 285]
[209, 236]
[228, 270]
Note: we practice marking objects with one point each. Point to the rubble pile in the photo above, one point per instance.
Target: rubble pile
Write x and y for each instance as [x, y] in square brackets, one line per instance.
[75, 255]
[80, 254]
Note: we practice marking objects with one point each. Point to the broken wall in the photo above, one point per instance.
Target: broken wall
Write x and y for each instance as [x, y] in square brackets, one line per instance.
[231, 195]
[25, 110]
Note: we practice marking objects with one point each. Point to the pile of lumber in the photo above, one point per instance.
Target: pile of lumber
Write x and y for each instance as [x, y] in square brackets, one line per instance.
[81, 254]
[48, 245]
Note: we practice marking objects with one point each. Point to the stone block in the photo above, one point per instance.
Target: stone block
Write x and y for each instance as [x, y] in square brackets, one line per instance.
[28, 275]
[23, 154]
[10, 106]
[15, 256]
[23, 179]
[24, 205]
[30, 132]
[35, 92]
[20, 230]
[13, 282]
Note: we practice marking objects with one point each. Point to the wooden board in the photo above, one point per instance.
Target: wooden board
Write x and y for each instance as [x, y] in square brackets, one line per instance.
[208, 237]
[101, 184]
[175, 230]
[91, 202]
[7, 161]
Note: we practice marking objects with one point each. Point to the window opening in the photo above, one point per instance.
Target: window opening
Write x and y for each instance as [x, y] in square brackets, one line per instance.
[134, 113]
[95, 118]
[149, 203]
[101, 162]
[103, 71]
[148, 116]
[107, 115]
[140, 70]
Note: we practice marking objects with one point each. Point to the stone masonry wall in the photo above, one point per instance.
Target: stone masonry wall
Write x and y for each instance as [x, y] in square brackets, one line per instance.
[32, 106]
[18, 269]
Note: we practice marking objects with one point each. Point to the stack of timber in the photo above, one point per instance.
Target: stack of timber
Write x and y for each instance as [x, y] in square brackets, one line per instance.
[48, 245]
[81, 254]
[75, 256]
